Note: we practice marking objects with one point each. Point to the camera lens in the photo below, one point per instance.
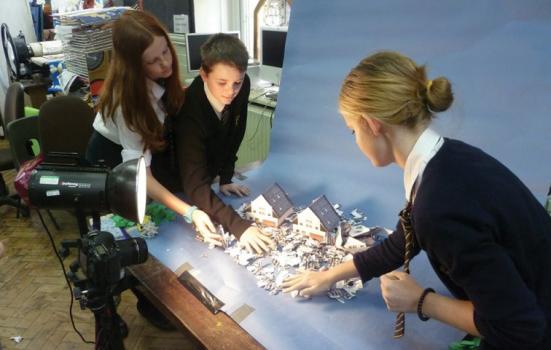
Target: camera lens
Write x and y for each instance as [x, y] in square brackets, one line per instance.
[132, 251]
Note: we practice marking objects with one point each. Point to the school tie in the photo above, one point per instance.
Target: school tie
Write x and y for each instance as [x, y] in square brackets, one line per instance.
[405, 220]
[225, 114]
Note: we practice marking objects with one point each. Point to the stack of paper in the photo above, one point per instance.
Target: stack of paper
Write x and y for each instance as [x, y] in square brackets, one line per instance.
[84, 32]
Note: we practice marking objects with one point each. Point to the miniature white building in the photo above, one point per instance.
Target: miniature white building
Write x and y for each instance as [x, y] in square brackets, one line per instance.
[319, 221]
[271, 207]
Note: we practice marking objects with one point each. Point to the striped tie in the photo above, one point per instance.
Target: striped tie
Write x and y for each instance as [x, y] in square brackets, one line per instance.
[405, 220]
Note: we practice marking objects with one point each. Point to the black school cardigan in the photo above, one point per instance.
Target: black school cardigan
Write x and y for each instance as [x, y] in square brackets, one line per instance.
[489, 241]
[206, 148]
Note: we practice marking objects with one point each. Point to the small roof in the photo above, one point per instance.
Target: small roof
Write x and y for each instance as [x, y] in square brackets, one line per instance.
[278, 199]
[325, 212]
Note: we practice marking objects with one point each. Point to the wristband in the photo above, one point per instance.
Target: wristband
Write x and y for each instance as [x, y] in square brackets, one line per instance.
[420, 313]
[189, 214]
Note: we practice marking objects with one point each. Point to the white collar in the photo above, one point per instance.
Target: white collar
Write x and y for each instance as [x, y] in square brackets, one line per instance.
[216, 105]
[156, 91]
[422, 152]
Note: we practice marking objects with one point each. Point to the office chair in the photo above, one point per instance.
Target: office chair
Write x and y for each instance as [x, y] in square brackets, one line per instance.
[65, 125]
[7, 163]
[21, 134]
[14, 107]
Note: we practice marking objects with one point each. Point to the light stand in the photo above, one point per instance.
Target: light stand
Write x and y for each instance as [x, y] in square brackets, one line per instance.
[90, 190]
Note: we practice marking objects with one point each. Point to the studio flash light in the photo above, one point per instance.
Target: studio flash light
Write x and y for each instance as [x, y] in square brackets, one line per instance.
[121, 190]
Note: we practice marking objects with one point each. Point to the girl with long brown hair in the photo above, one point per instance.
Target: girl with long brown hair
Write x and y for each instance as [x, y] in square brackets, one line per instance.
[141, 92]
[140, 95]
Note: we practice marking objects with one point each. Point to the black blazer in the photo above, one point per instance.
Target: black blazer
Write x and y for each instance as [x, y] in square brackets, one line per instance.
[206, 148]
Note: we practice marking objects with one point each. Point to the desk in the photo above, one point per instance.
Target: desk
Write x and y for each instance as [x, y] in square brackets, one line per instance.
[187, 312]
[276, 322]
[256, 141]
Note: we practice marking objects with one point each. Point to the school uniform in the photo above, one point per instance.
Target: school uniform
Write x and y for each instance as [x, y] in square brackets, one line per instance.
[113, 142]
[207, 139]
[486, 236]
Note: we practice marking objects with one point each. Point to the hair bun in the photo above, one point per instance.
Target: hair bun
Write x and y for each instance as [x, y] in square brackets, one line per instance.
[439, 94]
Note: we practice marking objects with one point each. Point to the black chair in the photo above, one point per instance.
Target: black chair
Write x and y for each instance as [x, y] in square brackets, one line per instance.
[65, 125]
[14, 107]
[22, 133]
[7, 163]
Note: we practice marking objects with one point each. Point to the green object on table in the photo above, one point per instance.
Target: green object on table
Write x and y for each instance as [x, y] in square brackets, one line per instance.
[31, 112]
[156, 211]
[159, 213]
[473, 344]
[121, 222]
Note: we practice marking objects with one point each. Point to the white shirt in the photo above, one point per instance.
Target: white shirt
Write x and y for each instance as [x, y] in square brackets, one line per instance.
[425, 148]
[217, 106]
[116, 130]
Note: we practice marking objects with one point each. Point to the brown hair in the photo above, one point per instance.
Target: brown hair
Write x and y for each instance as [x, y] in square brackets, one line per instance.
[393, 89]
[224, 48]
[126, 86]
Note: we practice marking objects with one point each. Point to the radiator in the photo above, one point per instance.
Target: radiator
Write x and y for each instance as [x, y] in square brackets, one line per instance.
[256, 142]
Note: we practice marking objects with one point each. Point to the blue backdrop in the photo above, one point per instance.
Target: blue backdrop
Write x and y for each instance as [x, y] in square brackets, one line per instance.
[497, 54]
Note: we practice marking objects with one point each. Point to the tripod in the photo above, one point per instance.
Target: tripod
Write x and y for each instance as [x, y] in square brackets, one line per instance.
[96, 291]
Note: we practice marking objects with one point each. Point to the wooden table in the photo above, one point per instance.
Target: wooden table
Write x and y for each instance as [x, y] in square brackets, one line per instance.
[178, 304]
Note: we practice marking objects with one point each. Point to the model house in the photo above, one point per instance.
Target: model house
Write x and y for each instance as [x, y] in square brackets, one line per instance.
[319, 221]
[271, 207]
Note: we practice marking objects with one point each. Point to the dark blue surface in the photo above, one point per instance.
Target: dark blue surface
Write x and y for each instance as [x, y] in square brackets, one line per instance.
[496, 54]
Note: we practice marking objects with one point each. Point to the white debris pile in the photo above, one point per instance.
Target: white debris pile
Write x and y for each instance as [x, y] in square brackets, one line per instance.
[299, 249]
[148, 229]
[295, 252]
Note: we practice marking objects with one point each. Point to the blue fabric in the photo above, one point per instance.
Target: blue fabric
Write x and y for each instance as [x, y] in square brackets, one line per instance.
[496, 53]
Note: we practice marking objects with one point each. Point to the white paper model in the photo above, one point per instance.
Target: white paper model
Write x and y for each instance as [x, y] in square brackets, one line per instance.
[271, 207]
[319, 221]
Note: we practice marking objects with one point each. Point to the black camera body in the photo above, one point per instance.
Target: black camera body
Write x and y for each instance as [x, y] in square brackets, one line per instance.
[70, 182]
[103, 258]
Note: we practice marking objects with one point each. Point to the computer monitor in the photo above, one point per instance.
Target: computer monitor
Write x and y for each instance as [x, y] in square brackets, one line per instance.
[273, 53]
[194, 41]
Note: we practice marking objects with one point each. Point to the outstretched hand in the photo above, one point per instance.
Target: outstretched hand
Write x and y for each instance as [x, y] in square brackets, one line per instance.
[308, 283]
[256, 241]
[205, 228]
[239, 190]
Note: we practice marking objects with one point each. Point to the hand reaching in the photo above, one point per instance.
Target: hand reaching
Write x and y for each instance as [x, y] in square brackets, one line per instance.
[204, 226]
[239, 190]
[256, 241]
[308, 283]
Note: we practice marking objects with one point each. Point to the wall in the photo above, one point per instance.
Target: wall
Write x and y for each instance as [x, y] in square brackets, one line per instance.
[17, 15]
[212, 16]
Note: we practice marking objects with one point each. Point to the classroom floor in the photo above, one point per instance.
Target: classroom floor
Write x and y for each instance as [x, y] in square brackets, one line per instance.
[34, 297]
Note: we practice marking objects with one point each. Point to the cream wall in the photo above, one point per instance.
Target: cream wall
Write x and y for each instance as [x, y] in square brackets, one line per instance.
[17, 15]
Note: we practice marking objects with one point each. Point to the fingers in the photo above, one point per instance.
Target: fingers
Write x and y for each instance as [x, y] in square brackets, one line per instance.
[291, 285]
[308, 292]
[245, 190]
[252, 246]
[292, 279]
[209, 225]
[259, 244]
[238, 190]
